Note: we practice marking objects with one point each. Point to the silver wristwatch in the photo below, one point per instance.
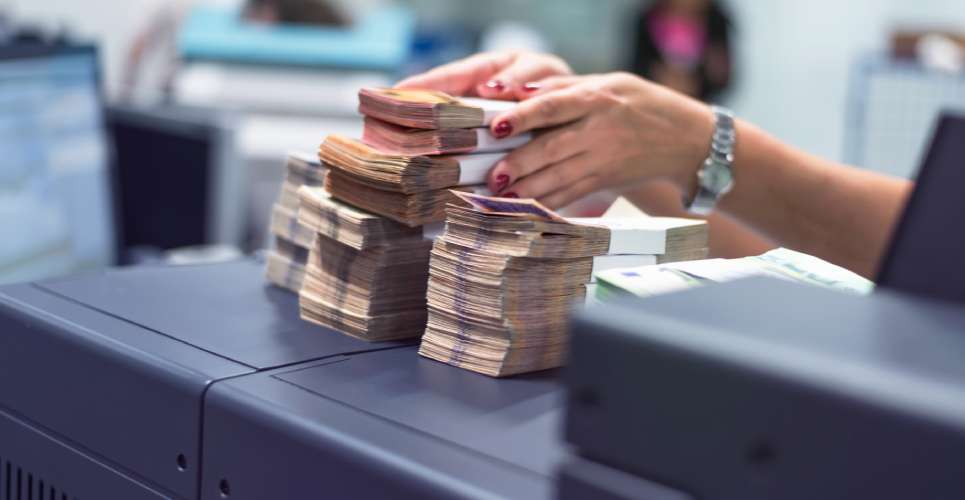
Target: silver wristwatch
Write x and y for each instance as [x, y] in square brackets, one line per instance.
[715, 177]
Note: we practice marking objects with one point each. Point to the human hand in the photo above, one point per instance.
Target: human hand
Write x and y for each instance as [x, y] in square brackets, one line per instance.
[598, 132]
[493, 75]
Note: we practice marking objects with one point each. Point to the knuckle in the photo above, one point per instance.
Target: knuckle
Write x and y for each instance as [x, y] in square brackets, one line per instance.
[553, 147]
[547, 108]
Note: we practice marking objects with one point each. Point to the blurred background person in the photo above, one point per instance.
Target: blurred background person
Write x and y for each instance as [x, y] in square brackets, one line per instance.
[685, 45]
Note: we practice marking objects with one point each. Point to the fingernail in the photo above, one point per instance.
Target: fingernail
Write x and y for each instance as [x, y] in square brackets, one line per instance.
[496, 85]
[502, 182]
[532, 87]
[509, 195]
[502, 129]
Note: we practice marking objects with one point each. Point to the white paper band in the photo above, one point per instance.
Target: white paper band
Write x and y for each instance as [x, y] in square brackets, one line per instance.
[490, 107]
[473, 168]
[486, 142]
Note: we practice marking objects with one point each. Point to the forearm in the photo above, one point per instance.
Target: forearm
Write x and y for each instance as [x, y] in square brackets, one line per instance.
[839, 213]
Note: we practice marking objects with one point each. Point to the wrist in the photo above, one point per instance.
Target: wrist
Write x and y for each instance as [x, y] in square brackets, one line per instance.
[697, 146]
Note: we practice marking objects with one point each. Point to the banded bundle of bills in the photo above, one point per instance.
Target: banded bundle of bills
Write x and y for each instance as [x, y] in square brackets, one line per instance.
[285, 262]
[414, 141]
[428, 109]
[410, 209]
[405, 173]
[506, 274]
[301, 169]
[349, 225]
[366, 275]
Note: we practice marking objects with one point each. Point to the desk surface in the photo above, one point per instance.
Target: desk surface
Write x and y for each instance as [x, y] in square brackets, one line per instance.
[225, 309]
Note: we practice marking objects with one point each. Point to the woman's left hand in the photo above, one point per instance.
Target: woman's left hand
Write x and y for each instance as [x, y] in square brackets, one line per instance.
[600, 132]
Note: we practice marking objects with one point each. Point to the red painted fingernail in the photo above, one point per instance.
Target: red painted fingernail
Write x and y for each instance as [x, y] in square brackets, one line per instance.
[503, 129]
[502, 182]
[532, 87]
[496, 85]
[509, 195]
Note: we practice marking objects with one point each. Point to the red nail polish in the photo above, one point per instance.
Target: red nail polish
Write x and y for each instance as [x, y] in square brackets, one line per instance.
[509, 195]
[503, 129]
[532, 87]
[502, 182]
[496, 85]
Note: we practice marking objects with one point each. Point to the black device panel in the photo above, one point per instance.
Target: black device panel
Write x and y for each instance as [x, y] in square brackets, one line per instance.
[929, 240]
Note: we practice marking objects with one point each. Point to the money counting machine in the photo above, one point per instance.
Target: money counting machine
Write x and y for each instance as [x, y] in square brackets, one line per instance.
[201, 382]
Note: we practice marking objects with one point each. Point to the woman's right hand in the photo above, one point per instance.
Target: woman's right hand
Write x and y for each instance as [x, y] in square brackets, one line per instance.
[492, 75]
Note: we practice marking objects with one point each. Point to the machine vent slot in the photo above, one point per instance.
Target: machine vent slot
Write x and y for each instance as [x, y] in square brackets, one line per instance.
[17, 483]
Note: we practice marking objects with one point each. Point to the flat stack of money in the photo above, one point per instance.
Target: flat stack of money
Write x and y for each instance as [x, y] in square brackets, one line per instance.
[366, 275]
[292, 240]
[506, 274]
[779, 263]
[403, 167]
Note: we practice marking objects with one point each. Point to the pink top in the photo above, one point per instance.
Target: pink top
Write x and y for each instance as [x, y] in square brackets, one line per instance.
[681, 40]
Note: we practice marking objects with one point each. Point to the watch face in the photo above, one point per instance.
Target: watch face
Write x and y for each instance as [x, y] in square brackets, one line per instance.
[716, 178]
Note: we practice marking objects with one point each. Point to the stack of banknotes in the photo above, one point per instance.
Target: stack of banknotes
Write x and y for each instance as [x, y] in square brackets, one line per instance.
[369, 232]
[416, 146]
[506, 274]
[292, 240]
[366, 275]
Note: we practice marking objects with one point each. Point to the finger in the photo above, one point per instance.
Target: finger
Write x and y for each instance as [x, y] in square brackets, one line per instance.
[547, 148]
[568, 195]
[511, 80]
[547, 110]
[533, 88]
[460, 77]
[555, 177]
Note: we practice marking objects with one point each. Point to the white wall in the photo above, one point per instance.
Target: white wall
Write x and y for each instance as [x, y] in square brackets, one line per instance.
[795, 58]
[794, 55]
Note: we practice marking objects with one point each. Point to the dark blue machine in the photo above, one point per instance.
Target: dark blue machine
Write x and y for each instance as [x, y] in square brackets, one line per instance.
[201, 382]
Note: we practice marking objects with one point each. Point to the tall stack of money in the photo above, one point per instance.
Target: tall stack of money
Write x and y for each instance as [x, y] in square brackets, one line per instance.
[416, 147]
[291, 240]
[368, 262]
[506, 274]
[366, 275]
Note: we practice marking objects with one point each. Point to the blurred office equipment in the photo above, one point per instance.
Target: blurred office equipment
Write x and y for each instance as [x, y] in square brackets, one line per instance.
[56, 207]
[177, 179]
[892, 108]
[288, 82]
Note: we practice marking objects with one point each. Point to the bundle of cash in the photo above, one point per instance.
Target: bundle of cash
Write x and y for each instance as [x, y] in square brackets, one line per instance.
[351, 226]
[405, 173]
[301, 169]
[285, 262]
[427, 109]
[366, 275]
[386, 136]
[412, 210]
